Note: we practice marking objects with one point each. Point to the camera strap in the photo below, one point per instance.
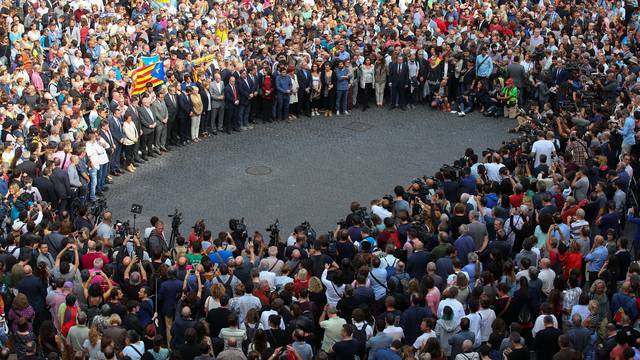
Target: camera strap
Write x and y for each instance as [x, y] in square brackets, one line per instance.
[274, 265]
[376, 280]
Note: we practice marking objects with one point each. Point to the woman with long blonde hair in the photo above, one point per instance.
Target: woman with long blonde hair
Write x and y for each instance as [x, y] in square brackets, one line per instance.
[301, 281]
[91, 345]
[213, 301]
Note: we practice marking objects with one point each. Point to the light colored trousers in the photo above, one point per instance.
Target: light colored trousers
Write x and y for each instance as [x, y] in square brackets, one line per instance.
[379, 93]
[195, 126]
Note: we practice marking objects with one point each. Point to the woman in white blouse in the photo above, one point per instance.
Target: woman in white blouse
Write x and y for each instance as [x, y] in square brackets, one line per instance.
[129, 141]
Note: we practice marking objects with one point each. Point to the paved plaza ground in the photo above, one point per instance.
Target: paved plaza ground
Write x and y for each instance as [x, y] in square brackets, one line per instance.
[310, 169]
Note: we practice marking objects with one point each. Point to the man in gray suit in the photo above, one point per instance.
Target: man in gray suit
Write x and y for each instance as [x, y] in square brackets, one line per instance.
[171, 101]
[159, 108]
[516, 72]
[148, 124]
[217, 103]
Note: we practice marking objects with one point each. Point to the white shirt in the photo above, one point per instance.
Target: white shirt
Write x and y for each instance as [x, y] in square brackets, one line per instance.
[487, 316]
[395, 332]
[334, 293]
[456, 306]
[381, 212]
[270, 278]
[474, 327]
[547, 276]
[96, 154]
[264, 320]
[422, 339]
[543, 147]
[539, 324]
[493, 171]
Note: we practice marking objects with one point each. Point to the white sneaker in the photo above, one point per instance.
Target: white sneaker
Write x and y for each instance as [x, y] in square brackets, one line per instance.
[337, 113]
[453, 112]
[461, 114]
[250, 127]
[346, 113]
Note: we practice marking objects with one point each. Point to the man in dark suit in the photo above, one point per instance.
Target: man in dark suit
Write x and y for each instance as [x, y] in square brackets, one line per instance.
[171, 100]
[148, 124]
[28, 166]
[304, 89]
[60, 180]
[132, 110]
[46, 188]
[244, 89]
[205, 96]
[185, 109]
[398, 82]
[115, 129]
[231, 105]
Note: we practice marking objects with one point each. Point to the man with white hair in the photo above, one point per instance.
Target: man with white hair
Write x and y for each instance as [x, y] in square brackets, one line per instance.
[267, 275]
[272, 263]
[546, 275]
[467, 352]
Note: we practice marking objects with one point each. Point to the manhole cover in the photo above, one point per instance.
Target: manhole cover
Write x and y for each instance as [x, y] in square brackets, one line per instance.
[258, 170]
[358, 126]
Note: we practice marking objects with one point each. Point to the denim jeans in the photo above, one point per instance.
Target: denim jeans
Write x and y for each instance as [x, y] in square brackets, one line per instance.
[341, 100]
[93, 174]
[102, 176]
[245, 110]
[282, 106]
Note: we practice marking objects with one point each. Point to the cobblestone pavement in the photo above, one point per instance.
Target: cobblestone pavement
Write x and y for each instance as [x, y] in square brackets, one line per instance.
[310, 169]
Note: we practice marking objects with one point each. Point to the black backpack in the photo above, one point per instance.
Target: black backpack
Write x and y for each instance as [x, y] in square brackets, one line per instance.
[360, 335]
[227, 285]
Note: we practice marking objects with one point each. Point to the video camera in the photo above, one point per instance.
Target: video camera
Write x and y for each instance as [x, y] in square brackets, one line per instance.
[176, 219]
[274, 233]
[238, 230]
[309, 232]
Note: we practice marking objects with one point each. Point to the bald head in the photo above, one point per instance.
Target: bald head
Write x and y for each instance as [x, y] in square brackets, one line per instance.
[28, 270]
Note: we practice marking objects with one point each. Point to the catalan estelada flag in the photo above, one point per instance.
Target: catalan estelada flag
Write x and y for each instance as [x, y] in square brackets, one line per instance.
[149, 74]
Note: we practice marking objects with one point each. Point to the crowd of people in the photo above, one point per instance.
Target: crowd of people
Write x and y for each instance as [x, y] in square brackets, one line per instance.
[521, 252]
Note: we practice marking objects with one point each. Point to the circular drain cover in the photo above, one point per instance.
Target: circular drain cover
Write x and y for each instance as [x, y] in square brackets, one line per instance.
[258, 170]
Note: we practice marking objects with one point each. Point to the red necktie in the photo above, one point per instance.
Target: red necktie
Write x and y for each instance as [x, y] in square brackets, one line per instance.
[235, 94]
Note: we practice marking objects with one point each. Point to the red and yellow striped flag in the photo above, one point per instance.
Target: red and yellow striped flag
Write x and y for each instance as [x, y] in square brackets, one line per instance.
[143, 76]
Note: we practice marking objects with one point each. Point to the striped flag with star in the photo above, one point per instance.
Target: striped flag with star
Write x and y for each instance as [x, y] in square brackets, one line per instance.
[148, 74]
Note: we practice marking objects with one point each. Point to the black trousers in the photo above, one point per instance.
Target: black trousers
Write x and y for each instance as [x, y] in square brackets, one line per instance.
[398, 97]
[184, 126]
[231, 117]
[172, 130]
[146, 141]
[128, 154]
[365, 95]
[304, 103]
[205, 122]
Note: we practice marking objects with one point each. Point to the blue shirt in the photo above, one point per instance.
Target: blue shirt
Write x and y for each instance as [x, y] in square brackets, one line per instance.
[484, 65]
[379, 286]
[596, 258]
[628, 131]
[342, 84]
[224, 254]
[385, 354]
[283, 84]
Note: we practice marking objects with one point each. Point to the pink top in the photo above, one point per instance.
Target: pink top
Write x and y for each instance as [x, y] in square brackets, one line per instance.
[64, 162]
[433, 299]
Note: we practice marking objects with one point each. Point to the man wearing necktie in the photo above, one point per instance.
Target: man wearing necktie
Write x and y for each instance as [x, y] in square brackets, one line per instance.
[115, 128]
[304, 88]
[231, 105]
[244, 90]
[171, 102]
